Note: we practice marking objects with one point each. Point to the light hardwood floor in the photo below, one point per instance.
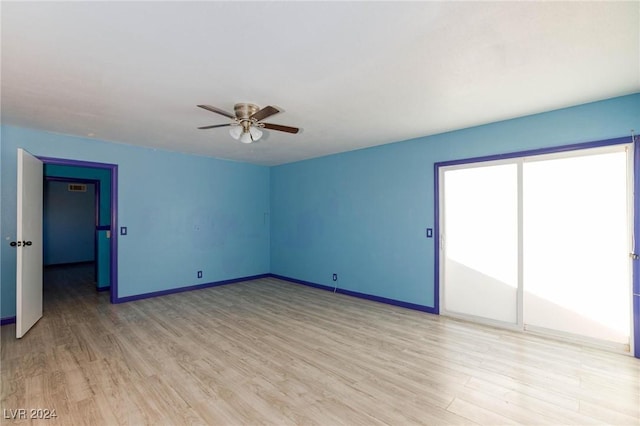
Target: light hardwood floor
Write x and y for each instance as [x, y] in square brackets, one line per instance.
[271, 352]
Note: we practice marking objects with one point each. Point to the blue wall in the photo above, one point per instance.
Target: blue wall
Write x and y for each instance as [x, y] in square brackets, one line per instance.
[360, 214]
[363, 214]
[69, 223]
[75, 172]
[184, 213]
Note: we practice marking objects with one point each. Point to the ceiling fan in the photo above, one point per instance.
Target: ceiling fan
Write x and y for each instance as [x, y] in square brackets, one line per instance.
[247, 121]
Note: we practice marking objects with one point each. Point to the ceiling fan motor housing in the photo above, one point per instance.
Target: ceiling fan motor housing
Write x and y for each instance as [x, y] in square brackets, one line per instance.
[244, 111]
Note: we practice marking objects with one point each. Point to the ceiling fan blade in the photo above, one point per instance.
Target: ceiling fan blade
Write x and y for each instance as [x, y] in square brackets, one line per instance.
[280, 127]
[214, 126]
[217, 110]
[265, 112]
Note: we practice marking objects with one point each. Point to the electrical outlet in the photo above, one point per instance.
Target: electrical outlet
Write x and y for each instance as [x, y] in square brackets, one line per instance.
[123, 230]
[429, 232]
[199, 274]
[335, 277]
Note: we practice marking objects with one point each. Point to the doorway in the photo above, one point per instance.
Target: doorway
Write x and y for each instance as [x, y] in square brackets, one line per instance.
[541, 243]
[71, 217]
[29, 259]
[106, 178]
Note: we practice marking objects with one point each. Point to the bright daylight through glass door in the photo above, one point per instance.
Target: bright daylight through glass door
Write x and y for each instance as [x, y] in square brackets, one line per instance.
[547, 253]
[576, 246]
[481, 240]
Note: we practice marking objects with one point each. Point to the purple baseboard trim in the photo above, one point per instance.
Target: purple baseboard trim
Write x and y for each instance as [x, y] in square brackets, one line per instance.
[414, 306]
[67, 264]
[99, 289]
[307, 283]
[7, 321]
[188, 288]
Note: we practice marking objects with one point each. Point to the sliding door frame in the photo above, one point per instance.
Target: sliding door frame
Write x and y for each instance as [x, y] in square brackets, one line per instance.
[513, 157]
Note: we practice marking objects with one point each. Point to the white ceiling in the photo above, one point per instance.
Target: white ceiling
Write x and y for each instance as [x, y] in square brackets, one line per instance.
[350, 74]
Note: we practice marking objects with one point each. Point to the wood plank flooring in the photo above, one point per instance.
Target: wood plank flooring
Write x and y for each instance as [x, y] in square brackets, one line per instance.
[271, 352]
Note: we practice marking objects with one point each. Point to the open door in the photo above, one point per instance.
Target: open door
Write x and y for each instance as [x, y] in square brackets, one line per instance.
[29, 243]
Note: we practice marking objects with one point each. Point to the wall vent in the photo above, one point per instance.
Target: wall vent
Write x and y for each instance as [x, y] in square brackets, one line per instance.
[77, 187]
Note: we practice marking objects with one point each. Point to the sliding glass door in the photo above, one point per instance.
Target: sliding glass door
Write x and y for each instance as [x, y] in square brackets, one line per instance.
[576, 246]
[481, 239]
[540, 243]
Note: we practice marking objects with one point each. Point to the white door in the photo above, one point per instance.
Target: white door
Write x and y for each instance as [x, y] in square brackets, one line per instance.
[29, 243]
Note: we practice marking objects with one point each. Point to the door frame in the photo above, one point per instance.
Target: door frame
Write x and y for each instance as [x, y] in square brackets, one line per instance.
[636, 243]
[96, 183]
[113, 171]
[635, 219]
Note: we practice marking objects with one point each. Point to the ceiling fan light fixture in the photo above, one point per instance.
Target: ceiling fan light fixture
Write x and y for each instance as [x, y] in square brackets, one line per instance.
[235, 132]
[246, 137]
[256, 133]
